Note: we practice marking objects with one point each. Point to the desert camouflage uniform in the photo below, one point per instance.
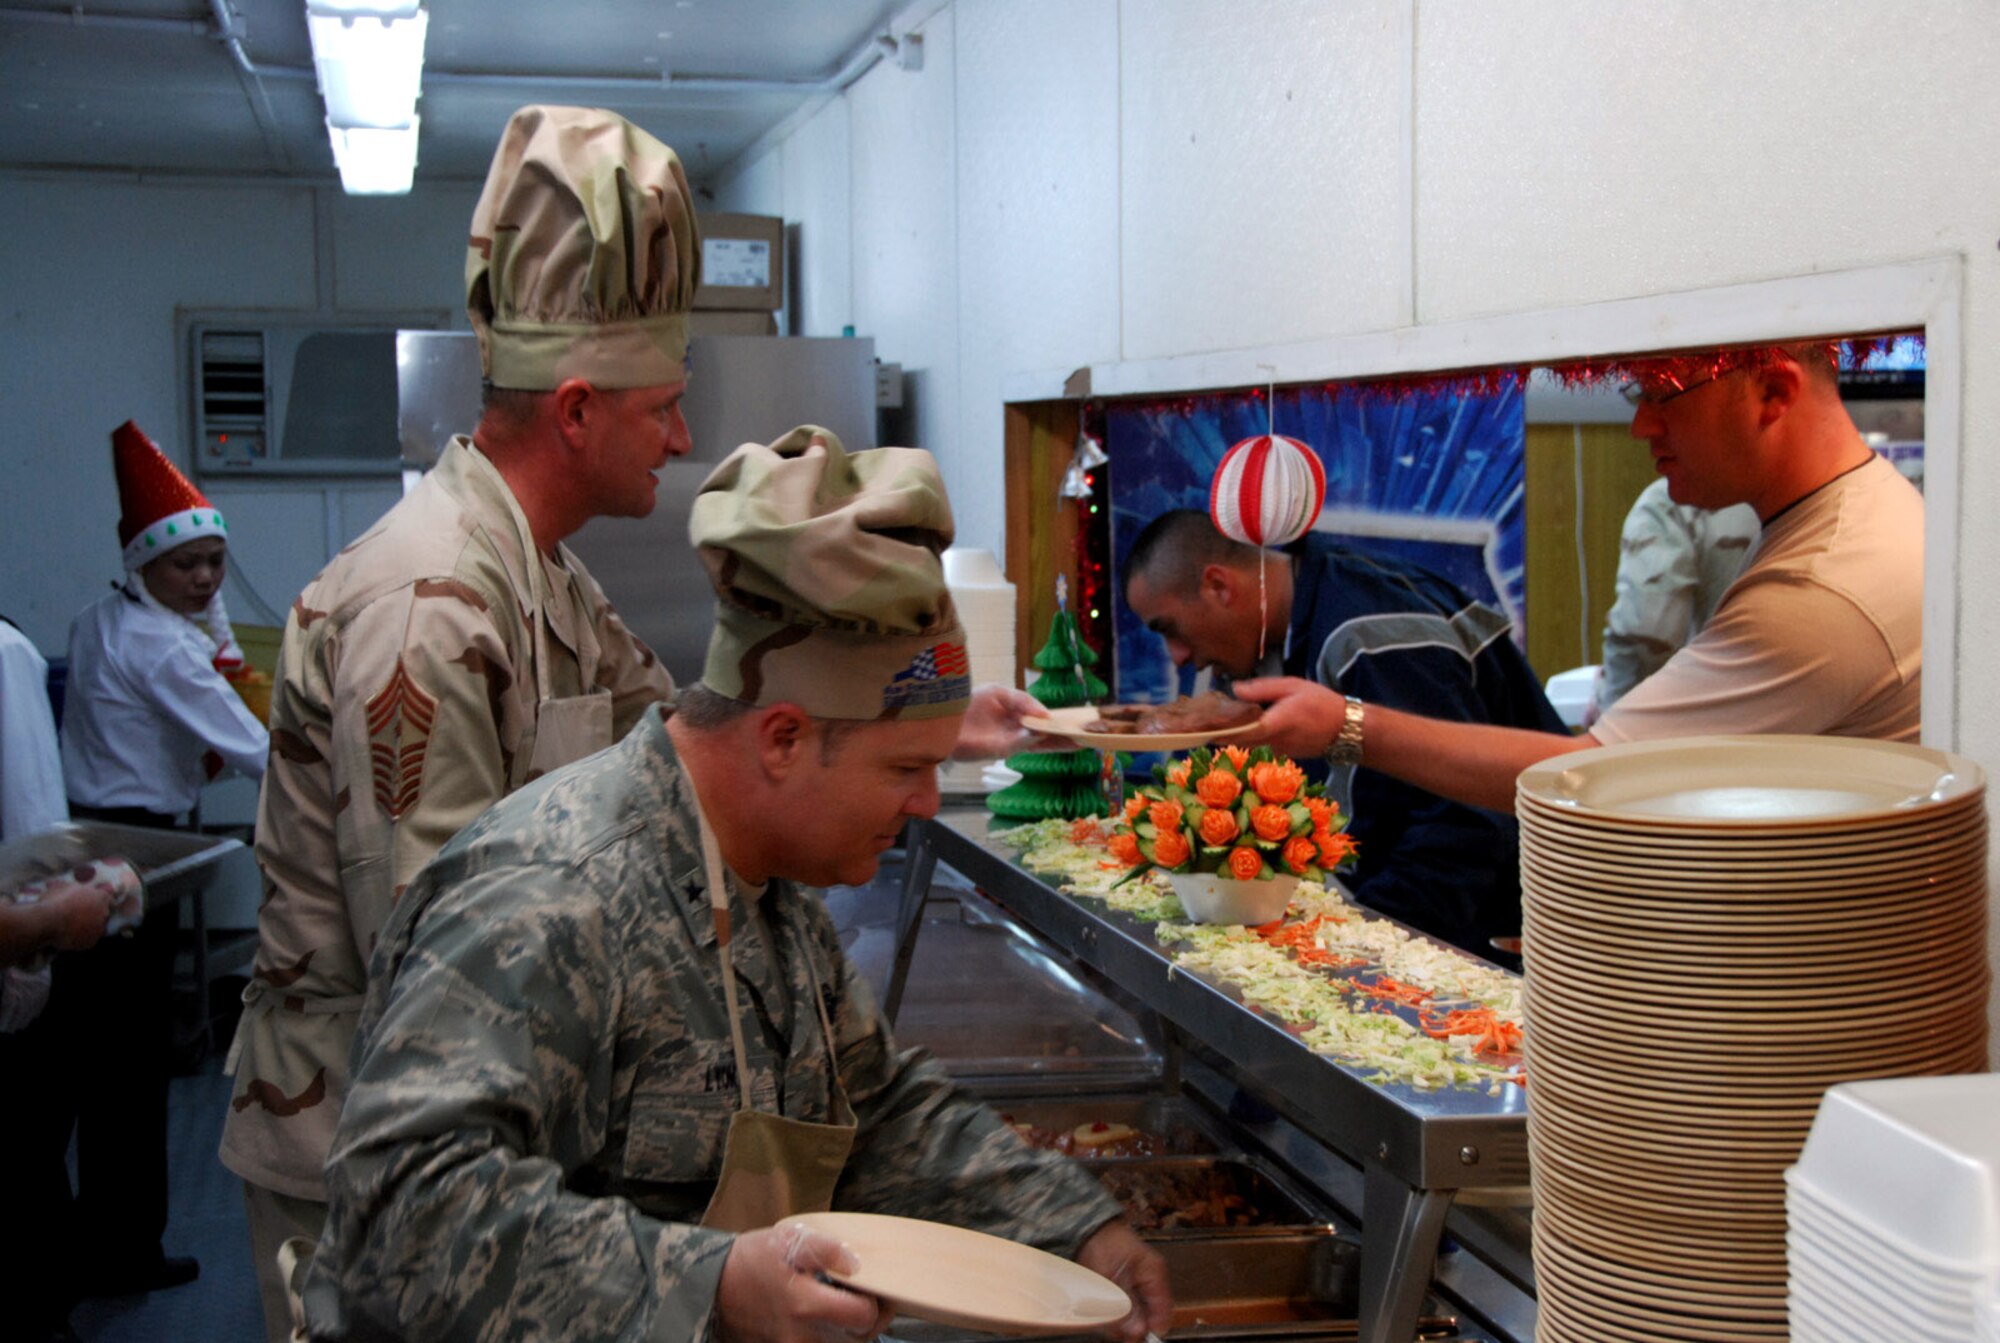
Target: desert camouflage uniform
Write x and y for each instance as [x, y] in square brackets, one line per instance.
[1675, 561]
[405, 705]
[545, 1079]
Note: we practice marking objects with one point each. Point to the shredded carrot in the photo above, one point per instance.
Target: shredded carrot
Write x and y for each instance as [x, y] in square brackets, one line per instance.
[1302, 940]
[1395, 991]
[1495, 1036]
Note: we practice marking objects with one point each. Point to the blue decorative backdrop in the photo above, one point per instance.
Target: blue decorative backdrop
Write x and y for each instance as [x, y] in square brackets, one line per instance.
[1432, 476]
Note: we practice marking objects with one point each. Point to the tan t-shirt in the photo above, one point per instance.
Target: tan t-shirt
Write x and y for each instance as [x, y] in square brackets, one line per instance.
[1821, 634]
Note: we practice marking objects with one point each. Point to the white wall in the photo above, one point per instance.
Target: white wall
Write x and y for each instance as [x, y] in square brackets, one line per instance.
[1112, 180]
[92, 277]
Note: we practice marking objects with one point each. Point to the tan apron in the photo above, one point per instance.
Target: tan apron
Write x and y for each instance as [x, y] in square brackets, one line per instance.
[570, 728]
[772, 1166]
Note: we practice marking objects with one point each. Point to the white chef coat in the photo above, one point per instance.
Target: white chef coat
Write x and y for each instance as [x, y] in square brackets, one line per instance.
[31, 781]
[144, 702]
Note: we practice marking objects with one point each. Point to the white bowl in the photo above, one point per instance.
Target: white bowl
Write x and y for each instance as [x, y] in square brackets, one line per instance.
[1208, 898]
[1916, 1157]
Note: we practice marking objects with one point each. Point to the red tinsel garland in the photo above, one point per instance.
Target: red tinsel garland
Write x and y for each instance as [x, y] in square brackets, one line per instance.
[1663, 371]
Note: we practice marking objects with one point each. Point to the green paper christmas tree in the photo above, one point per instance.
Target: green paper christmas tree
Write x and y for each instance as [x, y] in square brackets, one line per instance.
[1058, 783]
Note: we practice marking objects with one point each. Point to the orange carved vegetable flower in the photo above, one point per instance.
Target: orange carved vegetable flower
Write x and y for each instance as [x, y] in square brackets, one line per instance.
[1277, 781]
[1244, 861]
[1218, 826]
[1335, 847]
[1177, 773]
[1300, 853]
[1272, 823]
[1218, 788]
[1125, 848]
[1165, 815]
[1134, 806]
[1321, 811]
[1170, 848]
[1238, 757]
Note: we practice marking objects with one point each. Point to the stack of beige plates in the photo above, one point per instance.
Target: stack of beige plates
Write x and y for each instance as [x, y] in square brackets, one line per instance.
[1718, 929]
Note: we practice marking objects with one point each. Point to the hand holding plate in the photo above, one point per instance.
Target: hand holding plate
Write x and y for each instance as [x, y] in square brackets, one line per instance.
[1115, 1251]
[770, 1291]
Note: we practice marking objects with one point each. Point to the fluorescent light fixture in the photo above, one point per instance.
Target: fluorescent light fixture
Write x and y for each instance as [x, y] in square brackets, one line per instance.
[370, 59]
[375, 160]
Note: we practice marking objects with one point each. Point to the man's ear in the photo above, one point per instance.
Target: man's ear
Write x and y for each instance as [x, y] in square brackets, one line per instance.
[1779, 386]
[575, 403]
[1218, 583]
[784, 734]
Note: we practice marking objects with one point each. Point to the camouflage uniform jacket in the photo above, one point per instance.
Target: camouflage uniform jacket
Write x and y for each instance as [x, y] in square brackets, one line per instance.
[544, 1080]
[405, 705]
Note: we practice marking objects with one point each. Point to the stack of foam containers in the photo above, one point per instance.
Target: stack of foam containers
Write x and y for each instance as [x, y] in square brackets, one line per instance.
[985, 602]
[1893, 1213]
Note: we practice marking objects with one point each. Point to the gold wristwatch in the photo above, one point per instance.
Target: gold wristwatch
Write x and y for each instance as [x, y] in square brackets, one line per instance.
[1346, 748]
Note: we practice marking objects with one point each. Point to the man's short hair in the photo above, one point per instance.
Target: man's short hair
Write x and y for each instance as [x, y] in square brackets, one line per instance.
[1177, 545]
[1818, 359]
[513, 405]
[708, 710]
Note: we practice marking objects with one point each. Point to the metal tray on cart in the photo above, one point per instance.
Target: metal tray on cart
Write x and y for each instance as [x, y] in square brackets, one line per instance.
[1414, 1147]
[170, 861]
[1301, 1284]
[1180, 1127]
[1169, 1198]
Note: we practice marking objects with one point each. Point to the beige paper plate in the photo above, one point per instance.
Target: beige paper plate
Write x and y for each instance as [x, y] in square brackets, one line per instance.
[1728, 837]
[1732, 947]
[1660, 1239]
[1752, 1064]
[1945, 829]
[1592, 1006]
[1664, 1286]
[1070, 723]
[1758, 783]
[949, 1275]
[1803, 880]
[1884, 914]
[1922, 977]
[1790, 1096]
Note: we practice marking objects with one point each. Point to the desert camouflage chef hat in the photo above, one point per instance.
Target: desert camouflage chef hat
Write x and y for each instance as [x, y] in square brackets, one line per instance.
[583, 259]
[832, 595]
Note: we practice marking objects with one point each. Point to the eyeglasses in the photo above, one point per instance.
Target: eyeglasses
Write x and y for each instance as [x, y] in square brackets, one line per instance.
[1637, 394]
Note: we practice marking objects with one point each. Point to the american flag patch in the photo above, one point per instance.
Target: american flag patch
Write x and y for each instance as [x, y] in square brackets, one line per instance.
[935, 661]
[940, 673]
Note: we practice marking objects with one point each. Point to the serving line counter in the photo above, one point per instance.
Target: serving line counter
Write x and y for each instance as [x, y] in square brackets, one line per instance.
[1415, 1148]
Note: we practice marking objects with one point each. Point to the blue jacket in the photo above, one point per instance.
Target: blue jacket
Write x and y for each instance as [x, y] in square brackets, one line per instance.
[1398, 635]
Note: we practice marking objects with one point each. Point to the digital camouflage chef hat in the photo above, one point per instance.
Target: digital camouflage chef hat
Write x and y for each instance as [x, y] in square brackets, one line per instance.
[832, 593]
[584, 257]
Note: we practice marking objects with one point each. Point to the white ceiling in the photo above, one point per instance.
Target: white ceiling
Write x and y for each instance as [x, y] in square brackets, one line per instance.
[226, 86]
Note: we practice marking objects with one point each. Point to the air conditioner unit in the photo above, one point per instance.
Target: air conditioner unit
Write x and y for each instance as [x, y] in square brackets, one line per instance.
[276, 397]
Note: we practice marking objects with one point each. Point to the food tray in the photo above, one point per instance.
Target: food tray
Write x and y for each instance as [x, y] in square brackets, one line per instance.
[1183, 1128]
[1303, 1284]
[170, 862]
[1157, 1192]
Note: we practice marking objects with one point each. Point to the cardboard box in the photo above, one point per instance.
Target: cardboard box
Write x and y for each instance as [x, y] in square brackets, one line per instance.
[742, 262]
[732, 323]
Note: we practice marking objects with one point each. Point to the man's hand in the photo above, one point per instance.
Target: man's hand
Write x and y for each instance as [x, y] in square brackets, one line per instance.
[769, 1294]
[992, 727]
[76, 914]
[1116, 1252]
[1301, 718]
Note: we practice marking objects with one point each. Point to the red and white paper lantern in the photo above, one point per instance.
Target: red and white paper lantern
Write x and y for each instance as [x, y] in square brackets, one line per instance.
[1267, 491]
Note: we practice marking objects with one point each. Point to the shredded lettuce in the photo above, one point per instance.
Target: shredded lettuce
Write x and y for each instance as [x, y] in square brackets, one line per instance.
[1319, 1005]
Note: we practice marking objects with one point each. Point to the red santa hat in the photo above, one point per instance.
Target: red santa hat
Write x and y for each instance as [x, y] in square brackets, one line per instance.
[159, 508]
